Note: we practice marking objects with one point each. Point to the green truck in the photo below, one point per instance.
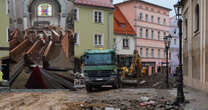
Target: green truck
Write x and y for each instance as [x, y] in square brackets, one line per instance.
[100, 68]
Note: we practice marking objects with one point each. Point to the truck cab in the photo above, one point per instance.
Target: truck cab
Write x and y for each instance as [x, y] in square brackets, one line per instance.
[100, 68]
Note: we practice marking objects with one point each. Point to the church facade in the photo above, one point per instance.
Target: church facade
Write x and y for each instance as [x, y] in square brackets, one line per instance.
[27, 13]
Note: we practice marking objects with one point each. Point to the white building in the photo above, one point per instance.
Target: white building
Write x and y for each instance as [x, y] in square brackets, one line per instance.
[124, 34]
[174, 45]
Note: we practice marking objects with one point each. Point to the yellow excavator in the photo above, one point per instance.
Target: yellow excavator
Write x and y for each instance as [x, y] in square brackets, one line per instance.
[131, 68]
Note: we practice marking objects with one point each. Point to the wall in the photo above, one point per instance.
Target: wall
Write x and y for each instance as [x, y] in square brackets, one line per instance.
[3, 29]
[119, 44]
[195, 46]
[87, 28]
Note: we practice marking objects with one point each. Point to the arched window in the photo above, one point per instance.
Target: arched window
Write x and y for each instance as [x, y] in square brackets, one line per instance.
[45, 9]
[197, 18]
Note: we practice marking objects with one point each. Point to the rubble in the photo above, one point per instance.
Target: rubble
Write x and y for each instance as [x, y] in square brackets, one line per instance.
[156, 80]
[106, 99]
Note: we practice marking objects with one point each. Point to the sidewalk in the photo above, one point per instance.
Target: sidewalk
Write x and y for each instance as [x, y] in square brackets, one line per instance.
[198, 99]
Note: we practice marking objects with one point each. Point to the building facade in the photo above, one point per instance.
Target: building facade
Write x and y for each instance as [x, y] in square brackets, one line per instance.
[151, 23]
[27, 13]
[174, 45]
[195, 43]
[4, 44]
[93, 25]
[124, 34]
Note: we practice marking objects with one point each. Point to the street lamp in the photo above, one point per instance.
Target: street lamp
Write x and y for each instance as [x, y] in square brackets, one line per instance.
[180, 94]
[167, 40]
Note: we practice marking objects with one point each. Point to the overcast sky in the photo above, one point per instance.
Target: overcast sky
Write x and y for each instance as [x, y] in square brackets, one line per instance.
[164, 3]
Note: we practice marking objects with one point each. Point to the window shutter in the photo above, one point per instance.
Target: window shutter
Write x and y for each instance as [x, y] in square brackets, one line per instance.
[94, 40]
[102, 39]
[78, 39]
[77, 14]
[93, 17]
[102, 16]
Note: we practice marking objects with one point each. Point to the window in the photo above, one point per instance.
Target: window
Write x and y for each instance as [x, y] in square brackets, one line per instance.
[164, 21]
[98, 39]
[141, 51]
[164, 34]
[174, 41]
[147, 50]
[152, 19]
[98, 16]
[158, 53]
[141, 32]
[7, 9]
[141, 16]
[158, 20]
[114, 43]
[186, 28]
[147, 8]
[152, 35]
[125, 43]
[147, 31]
[158, 35]
[44, 9]
[152, 53]
[76, 14]
[77, 39]
[175, 31]
[197, 18]
[146, 18]
[164, 53]
[122, 25]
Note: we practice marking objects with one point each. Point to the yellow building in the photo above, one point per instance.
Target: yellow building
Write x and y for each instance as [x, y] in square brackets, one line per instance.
[4, 25]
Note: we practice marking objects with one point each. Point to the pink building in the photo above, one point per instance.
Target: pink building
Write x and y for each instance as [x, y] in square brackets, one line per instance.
[151, 23]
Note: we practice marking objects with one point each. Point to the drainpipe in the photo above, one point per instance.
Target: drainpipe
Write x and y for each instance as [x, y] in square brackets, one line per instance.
[109, 30]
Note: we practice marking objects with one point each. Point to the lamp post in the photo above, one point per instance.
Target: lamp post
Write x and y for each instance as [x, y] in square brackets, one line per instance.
[167, 40]
[180, 94]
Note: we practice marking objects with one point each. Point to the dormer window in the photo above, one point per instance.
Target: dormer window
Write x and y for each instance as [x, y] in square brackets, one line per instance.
[122, 25]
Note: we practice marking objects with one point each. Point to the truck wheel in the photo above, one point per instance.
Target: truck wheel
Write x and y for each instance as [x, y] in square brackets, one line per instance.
[120, 84]
[88, 88]
[116, 84]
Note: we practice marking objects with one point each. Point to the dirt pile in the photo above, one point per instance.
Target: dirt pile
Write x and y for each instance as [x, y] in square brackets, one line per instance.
[156, 80]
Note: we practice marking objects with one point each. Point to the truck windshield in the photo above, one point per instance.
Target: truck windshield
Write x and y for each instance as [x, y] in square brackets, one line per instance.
[98, 59]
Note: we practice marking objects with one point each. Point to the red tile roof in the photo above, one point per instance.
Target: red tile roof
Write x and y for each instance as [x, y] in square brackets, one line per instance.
[121, 24]
[98, 3]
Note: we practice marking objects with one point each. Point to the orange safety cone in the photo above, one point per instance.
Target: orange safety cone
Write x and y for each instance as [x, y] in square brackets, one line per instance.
[36, 80]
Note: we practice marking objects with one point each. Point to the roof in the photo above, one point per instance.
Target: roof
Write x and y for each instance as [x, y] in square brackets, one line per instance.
[97, 3]
[121, 24]
[146, 3]
[99, 51]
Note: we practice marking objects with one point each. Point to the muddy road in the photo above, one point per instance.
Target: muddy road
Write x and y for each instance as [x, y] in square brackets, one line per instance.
[105, 99]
